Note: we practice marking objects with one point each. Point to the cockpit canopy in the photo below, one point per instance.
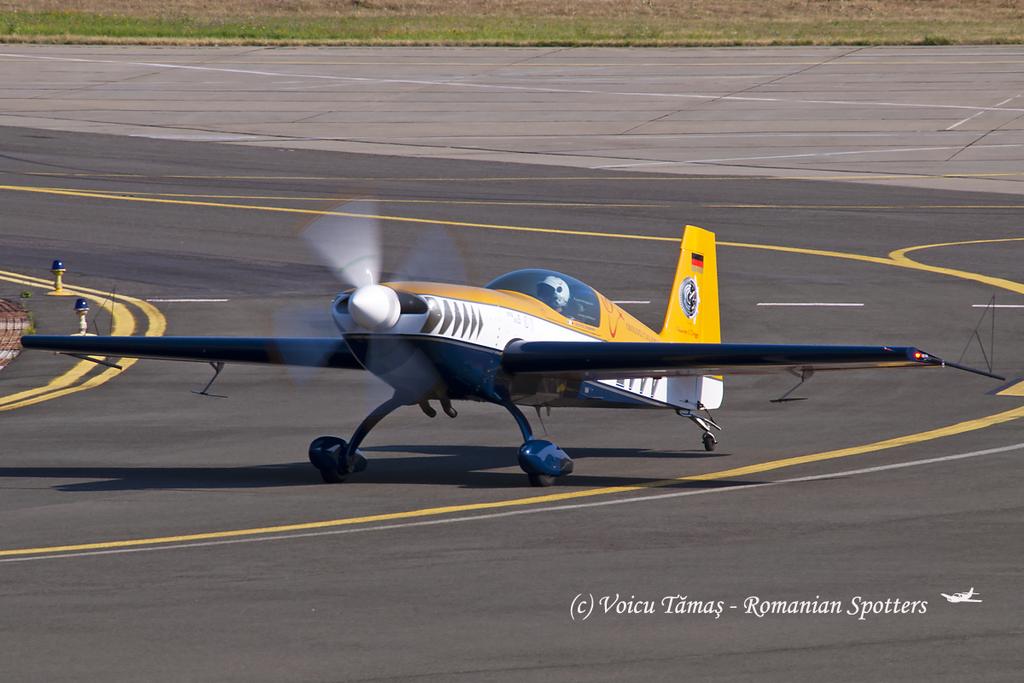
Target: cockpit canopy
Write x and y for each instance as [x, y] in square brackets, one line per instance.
[566, 295]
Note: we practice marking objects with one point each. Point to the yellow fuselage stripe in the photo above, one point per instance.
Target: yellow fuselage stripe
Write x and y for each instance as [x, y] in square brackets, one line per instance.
[626, 327]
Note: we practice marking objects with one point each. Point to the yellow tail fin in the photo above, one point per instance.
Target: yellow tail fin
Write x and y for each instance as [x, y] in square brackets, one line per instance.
[692, 313]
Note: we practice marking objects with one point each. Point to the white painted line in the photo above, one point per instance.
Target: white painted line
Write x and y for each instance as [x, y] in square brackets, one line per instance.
[538, 510]
[752, 134]
[199, 137]
[997, 305]
[963, 121]
[805, 303]
[627, 301]
[799, 156]
[187, 301]
[522, 88]
[972, 116]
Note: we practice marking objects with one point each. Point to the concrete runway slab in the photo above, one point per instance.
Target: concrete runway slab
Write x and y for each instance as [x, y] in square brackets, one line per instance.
[486, 594]
[952, 112]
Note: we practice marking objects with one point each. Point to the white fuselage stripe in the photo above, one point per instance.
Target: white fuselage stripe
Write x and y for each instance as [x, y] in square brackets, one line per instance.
[494, 327]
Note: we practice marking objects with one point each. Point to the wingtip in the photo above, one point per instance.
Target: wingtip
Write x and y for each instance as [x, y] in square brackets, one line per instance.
[929, 359]
[976, 371]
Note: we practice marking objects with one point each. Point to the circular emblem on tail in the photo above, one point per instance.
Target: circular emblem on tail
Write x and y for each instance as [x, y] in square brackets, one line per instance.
[689, 297]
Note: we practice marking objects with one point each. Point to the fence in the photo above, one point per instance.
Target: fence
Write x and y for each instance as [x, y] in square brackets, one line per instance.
[13, 323]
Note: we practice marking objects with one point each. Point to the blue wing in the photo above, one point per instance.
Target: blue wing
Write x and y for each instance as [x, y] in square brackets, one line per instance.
[326, 352]
[608, 360]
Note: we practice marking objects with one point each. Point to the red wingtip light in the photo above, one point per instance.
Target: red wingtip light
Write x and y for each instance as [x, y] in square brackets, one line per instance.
[918, 355]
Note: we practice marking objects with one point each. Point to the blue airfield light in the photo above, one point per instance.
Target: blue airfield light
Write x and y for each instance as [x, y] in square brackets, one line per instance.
[58, 269]
[81, 306]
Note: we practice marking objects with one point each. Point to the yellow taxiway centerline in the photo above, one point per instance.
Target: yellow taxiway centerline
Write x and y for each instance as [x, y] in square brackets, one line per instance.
[950, 430]
[123, 324]
[1013, 390]
[543, 204]
[318, 212]
[156, 323]
[900, 257]
[393, 200]
[897, 258]
[862, 207]
[636, 177]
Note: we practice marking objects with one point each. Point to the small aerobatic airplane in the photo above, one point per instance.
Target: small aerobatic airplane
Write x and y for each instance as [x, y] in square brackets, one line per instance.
[534, 338]
[966, 596]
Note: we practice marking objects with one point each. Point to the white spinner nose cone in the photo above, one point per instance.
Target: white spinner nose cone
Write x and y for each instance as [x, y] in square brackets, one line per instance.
[375, 307]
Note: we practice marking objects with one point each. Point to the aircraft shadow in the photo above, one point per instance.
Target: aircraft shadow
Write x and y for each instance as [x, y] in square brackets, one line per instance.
[436, 465]
[509, 452]
[143, 478]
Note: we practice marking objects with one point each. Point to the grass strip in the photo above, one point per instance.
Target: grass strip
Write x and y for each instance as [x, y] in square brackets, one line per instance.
[86, 27]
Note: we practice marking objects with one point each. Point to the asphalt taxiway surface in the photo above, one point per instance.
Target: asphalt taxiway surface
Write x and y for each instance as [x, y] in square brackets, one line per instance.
[431, 565]
[948, 117]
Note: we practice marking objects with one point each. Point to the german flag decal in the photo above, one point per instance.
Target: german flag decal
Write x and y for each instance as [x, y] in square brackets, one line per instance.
[697, 261]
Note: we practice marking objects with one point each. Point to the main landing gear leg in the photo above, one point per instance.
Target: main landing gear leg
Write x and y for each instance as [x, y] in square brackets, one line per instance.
[542, 460]
[337, 458]
[706, 424]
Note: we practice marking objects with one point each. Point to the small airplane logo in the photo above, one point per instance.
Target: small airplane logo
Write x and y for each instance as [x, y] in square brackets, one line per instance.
[966, 596]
